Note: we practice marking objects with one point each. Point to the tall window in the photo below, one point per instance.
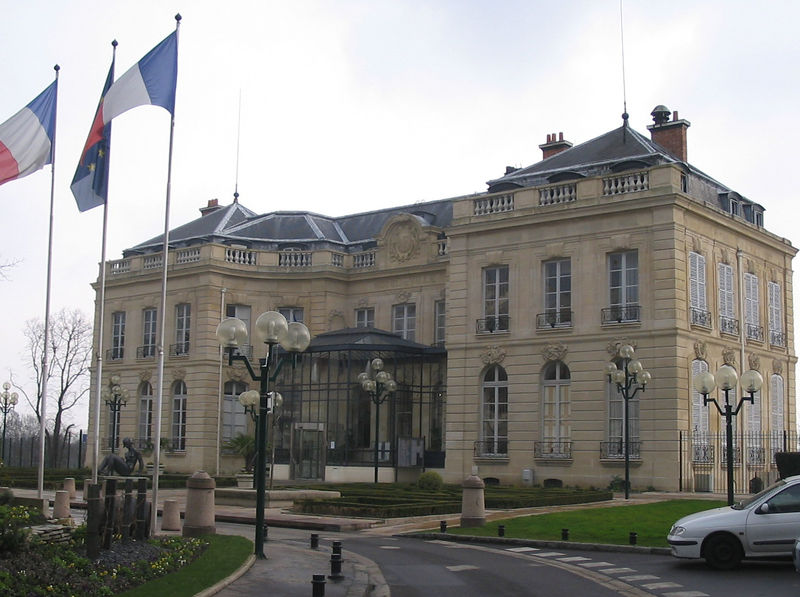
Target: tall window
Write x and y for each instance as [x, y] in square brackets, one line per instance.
[145, 414]
[751, 307]
[117, 335]
[440, 322]
[699, 410]
[494, 413]
[234, 417]
[776, 416]
[775, 314]
[241, 312]
[149, 321]
[555, 414]
[183, 320]
[404, 320]
[616, 414]
[365, 317]
[558, 291]
[292, 313]
[697, 290]
[179, 416]
[623, 285]
[495, 298]
[727, 300]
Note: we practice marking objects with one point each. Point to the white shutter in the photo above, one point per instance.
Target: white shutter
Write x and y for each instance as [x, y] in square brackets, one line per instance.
[754, 413]
[694, 300]
[776, 403]
[751, 299]
[726, 295]
[699, 410]
[775, 311]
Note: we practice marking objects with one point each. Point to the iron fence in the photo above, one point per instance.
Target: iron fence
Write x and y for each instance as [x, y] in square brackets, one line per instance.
[23, 451]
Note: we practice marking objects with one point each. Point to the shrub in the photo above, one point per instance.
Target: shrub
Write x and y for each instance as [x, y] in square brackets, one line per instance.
[430, 480]
[6, 496]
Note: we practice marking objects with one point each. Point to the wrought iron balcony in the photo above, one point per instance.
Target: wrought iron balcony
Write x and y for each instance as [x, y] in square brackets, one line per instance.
[728, 325]
[491, 448]
[616, 450]
[737, 455]
[621, 314]
[754, 332]
[179, 350]
[146, 352]
[554, 319]
[493, 324]
[777, 338]
[556, 450]
[702, 453]
[701, 317]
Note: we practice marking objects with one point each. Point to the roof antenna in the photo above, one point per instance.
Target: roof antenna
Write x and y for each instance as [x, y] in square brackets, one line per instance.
[624, 92]
[238, 138]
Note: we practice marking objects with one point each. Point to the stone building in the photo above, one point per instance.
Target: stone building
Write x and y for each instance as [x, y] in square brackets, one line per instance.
[496, 313]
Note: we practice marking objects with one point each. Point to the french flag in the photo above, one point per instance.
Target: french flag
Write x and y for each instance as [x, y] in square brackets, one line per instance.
[26, 139]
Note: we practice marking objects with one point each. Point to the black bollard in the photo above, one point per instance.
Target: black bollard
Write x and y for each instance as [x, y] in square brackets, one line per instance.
[442, 526]
[336, 548]
[632, 538]
[565, 534]
[318, 585]
[314, 541]
[501, 530]
[93, 515]
[336, 567]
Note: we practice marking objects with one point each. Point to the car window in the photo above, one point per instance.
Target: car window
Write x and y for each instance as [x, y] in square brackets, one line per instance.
[787, 500]
[741, 505]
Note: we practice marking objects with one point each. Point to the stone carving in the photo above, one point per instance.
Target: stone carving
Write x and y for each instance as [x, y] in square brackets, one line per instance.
[613, 346]
[237, 373]
[729, 356]
[777, 367]
[695, 242]
[700, 350]
[179, 374]
[403, 297]
[362, 303]
[493, 355]
[554, 352]
[146, 374]
[754, 362]
[403, 240]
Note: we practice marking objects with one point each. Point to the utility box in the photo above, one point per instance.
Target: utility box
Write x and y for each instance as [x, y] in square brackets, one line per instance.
[527, 477]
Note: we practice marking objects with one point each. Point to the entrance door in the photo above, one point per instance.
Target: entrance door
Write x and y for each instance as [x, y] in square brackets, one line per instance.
[308, 449]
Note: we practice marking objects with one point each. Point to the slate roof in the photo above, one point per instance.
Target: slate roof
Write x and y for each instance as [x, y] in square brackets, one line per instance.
[368, 339]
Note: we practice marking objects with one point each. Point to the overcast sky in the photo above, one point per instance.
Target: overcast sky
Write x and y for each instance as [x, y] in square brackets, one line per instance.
[348, 106]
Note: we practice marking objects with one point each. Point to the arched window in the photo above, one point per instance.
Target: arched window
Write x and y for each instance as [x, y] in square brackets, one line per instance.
[234, 417]
[555, 411]
[616, 414]
[145, 415]
[179, 416]
[494, 413]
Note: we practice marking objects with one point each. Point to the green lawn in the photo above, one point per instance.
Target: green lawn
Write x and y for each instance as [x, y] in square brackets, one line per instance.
[224, 555]
[610, 525]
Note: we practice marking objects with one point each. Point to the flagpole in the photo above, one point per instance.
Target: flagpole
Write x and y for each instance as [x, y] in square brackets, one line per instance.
[164, 260]
[46, 341]
[100, 323]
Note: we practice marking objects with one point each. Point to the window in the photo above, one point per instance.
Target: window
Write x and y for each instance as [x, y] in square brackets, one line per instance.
[117, 335]
[751, 308]
[776, 416]
[404, 320]
[149, 321]
[234, 417]
[775, 315]
[697, 290]
[495, 298]
[623, 285]
[183, 320]
[439, 323]
[755, 451]
[727, 300]
[145, 414]
[701, 446]
[292, 313]
[241, 312]
[365, 317]
[558, 291]
[494, 413]
[616, 422]
[555, 412]
[179, 416]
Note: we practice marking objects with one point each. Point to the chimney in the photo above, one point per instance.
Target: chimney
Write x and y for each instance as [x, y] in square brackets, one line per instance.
[669, 134]
[554, 146]
[213, 205]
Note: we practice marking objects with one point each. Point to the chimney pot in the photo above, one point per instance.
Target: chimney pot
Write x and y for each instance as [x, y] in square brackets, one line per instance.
[560, 136]
[670, 134]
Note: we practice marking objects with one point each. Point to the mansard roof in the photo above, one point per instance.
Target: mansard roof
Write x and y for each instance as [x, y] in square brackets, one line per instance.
[368, 339]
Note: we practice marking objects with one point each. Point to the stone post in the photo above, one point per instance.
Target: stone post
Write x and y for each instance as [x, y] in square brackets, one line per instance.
[171, 517]
[473, 512]
[61, 505]
[69, 485]
[199, 517]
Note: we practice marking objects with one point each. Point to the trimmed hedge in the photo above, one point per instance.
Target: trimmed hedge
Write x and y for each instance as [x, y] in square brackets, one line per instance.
[788, 463]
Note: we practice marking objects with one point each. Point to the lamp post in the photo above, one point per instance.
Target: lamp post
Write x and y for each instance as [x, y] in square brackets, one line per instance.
[7, 402]
[115, 397]
[272, 329]
[379, 384]
[629, 380]
[726, 379]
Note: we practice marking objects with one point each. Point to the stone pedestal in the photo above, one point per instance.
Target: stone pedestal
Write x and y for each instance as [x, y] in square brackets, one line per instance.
[171, 516]
[473, 512]
[199, 517]
[69, 485]
[61, 505]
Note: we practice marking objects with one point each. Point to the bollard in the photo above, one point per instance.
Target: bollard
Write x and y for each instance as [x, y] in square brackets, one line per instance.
[473, 510]
[501, 530]
[171, 516]
[442, 526]
[336, 547]
[632, 538]
[565, 534]
[336, 567]
[199, 514]
[61, 505]
[69, 485]
[314, 541]
[318, 585]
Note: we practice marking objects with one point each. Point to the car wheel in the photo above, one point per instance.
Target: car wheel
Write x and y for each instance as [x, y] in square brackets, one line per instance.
[722, 552]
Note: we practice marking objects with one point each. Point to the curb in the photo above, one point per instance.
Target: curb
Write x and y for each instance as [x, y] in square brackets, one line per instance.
[214, 589]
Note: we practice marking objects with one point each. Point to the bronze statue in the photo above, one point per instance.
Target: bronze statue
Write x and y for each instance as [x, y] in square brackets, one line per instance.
[114, 464]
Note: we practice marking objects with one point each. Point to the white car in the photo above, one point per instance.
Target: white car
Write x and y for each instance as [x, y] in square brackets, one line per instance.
[762, 526]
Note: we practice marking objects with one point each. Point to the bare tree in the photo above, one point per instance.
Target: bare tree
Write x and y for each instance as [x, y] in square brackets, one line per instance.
[67, 377]
[5, 266]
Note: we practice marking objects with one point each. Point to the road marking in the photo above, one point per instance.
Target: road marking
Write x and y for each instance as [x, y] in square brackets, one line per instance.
[549, 554]
[616, 570]
[574, 559]
[595, 564]
[657, 586]
[639, 577]
[686, 594]
[389, 547]
[461, 568]
[522, 549]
